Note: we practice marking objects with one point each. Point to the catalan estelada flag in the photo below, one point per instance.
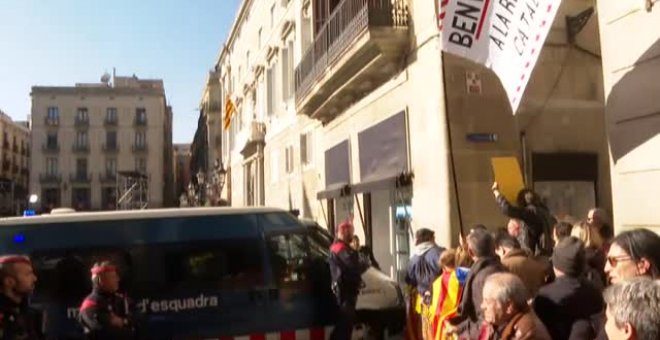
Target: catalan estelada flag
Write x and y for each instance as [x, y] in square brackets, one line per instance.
[447, 291]
[229, 112]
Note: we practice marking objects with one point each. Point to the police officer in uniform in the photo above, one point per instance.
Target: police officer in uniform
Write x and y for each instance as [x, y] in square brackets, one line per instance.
[346, 271]
[17, 319]
[105, 314]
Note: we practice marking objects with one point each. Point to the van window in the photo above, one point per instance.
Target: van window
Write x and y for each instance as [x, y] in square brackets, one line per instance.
[153, 269]
[288, 254]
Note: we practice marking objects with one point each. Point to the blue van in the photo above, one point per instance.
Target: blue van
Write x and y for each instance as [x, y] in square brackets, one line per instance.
[196, 273]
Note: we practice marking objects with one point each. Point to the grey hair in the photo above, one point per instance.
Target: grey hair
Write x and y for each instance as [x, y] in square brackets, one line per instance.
[637, 302]
[481, 243]
[507, 287]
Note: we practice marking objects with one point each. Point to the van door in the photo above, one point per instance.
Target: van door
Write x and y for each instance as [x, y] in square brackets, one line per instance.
[300, 295]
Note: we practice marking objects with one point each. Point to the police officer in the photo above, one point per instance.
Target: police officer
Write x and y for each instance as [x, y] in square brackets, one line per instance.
[346, 271]
[104, 314]
[17, 319]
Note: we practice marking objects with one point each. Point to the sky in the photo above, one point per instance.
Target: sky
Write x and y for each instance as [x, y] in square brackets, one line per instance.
[63, 42]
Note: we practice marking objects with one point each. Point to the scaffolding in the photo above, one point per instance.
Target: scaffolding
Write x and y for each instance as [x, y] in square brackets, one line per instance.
[132, 190]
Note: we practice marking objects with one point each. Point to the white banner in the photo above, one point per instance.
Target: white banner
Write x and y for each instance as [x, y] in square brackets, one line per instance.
[504, 35]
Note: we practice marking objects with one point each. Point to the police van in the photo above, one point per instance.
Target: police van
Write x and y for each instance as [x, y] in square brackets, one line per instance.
[196, 272]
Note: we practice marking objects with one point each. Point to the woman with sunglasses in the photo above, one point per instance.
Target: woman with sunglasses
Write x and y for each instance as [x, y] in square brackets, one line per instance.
[633, 253]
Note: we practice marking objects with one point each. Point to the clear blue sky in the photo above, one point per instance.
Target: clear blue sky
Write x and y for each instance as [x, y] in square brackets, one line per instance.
[61, 42]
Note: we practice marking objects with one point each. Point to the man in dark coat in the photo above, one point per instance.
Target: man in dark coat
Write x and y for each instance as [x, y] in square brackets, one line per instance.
[570, 304]
[346, 271]
[105, 314]
[17, 319]
[481, 247]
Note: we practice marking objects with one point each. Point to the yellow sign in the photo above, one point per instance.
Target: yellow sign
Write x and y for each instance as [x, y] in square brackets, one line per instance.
[229, 112]
[507, 174]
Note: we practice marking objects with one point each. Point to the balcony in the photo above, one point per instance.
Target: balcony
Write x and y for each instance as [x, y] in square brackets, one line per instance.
[50, 178]
[110, 121]
[81, 122]
[256, 136]
[139, 148]
[110, 148]
[52, 121]
[108, 177]
[50, 148]
[140, 122]
[80, 178]
[80, 148]
[359, 48]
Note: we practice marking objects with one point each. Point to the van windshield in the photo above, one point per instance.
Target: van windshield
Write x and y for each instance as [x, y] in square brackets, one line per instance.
[319, 242]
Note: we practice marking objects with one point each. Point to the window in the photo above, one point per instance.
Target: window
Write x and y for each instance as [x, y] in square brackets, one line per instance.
[51, 140]
[51, 166]
[247, 62]
[141, 164]
[81, 138]
[140, 138]
[82, 115]
[53, 113]
[81, 168]
[306, 148]
[272, 16]
[259, 37]
[289, 258]
[285, 73]
[110, 166]
[270, 91]
[140, 116]
[289, 159]
[111, 139]
[111, 115]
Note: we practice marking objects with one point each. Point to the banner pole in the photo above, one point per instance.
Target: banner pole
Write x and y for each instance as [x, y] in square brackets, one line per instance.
[450, 145]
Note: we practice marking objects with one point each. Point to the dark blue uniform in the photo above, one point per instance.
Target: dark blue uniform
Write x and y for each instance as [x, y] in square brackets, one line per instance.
[346, 271]
[19, 321]
[95, 315]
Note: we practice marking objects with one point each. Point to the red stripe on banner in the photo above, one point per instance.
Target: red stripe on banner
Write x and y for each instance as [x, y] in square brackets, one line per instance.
[317, 334]
[442, 15]
[522, 77]
[533, 51]
[549, 7]
[483, 18]
[258, 337]
[288, 335]
[527, 65]
[518, 89]
[444, 3]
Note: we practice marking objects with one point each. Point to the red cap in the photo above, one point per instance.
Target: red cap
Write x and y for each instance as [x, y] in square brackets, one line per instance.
[103, 269]
[14, 259]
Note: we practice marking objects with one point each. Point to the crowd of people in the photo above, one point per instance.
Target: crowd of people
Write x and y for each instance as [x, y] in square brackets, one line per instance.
[538, 278]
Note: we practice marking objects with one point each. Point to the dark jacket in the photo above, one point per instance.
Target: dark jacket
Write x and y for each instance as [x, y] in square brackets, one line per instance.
[430, 253]
[346, 271]
[469, 310]
[565, 302]
[595, 272]
[537, 219]
[95, 315]
[19, 321]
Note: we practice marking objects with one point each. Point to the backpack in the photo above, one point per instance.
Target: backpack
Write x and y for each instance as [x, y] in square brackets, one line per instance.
[425, 275]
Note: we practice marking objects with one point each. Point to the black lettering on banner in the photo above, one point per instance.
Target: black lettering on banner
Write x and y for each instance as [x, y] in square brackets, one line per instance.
[463, 40]
[498, 42]
[467, 10]
[520, 42]
[509, 5]
[462, 25]
[503, 20]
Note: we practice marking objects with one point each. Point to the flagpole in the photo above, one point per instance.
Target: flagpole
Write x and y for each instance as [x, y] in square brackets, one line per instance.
[450, 144]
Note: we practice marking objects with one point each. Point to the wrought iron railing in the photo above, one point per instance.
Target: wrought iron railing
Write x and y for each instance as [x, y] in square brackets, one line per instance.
[347, 21]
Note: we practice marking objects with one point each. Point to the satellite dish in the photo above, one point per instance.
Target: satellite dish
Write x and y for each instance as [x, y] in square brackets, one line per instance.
[105, 78]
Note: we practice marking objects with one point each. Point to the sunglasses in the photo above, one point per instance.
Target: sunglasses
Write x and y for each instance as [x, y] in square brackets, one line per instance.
[614, 260]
